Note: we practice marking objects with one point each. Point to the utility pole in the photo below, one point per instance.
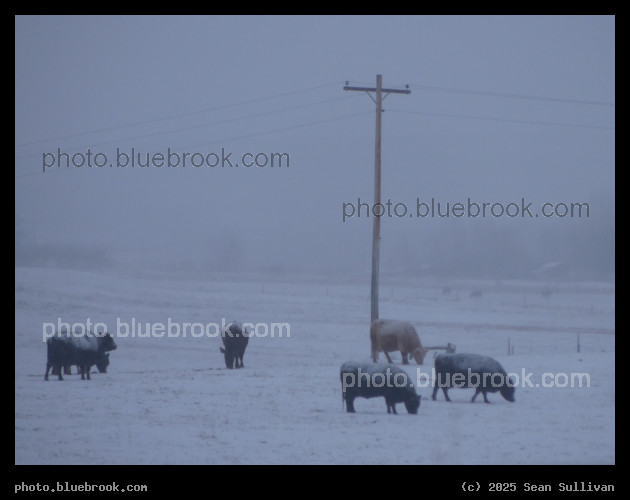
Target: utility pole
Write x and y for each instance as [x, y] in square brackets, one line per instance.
[376, 225]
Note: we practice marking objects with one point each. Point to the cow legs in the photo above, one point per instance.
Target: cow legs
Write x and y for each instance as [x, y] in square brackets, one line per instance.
[349, 403]
[55, 368]
[445, 391]
[405, 360]
[67, 370]
[389, 360]
[482, 391]
[391, 407]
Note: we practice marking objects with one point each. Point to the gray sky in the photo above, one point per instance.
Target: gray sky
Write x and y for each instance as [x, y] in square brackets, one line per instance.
[501, 108]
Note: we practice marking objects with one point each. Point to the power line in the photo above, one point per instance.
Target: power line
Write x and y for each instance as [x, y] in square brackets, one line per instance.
[256, 134]
[508, 95]
[109, 129]
[192, 127]
[343, 117]
[470, 117]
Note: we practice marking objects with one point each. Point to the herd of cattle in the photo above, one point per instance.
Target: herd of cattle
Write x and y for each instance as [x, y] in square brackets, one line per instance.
[66, 349]
[463, 370]
[85, 349]
[358, 379]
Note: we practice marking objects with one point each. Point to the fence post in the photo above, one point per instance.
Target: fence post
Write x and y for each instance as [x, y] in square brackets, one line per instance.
[578, 342]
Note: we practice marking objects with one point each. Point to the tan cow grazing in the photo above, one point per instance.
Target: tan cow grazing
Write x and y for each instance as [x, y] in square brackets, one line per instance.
[388, 335]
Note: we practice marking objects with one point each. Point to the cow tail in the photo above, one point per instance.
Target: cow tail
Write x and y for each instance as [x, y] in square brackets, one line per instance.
[343, 400]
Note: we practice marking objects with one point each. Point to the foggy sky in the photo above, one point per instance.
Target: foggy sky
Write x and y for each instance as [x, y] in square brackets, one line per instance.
[501, 108]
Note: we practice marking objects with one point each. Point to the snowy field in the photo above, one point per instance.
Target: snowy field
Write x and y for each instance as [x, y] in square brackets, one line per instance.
[172, 401]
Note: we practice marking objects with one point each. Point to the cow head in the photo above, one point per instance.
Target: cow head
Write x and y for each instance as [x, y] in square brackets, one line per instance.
[229, 357]
[419, 354]
[107, 343]
[103, 363]
[507, 390]
[412, 405]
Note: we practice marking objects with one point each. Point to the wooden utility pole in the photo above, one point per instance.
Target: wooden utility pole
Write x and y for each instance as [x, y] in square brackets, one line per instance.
[376, 226]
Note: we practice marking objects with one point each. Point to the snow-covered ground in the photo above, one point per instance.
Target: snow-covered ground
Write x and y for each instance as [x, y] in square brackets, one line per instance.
[170, 400]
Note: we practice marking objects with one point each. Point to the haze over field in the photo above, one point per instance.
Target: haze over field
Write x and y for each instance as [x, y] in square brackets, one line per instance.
[507, 110]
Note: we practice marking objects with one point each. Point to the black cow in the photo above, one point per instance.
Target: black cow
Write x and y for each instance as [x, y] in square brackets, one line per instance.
[101, 365]
[235, 340]
[85, 350]
[371, 380]
[472, 371]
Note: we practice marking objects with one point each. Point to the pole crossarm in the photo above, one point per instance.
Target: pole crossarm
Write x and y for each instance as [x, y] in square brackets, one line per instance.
[372, 89]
